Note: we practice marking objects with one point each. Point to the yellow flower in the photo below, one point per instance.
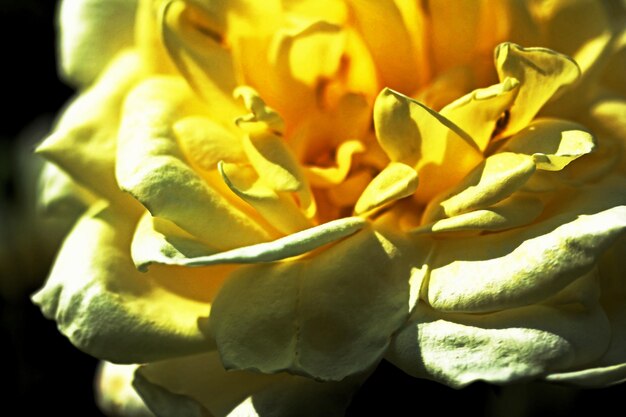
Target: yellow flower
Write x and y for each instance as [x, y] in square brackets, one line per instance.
[297, 189]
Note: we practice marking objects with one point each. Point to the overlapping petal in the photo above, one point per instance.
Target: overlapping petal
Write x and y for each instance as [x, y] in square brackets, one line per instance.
[149, 316]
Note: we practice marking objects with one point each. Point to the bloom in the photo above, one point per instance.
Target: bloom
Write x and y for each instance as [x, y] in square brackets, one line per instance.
[296, 189]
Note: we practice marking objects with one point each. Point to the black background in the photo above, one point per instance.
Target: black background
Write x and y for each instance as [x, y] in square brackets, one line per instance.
[45, 375]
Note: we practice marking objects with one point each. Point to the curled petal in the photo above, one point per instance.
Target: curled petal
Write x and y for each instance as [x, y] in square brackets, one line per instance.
[289, 246]
[524, 266]
[151, 167]
[541, 73]
[396, 181]
[416, 135]
[496, 178]
[110, 310]
[479, 112]
[553, 144]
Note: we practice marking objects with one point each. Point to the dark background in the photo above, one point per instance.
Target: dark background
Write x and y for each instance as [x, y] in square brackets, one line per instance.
[44, 374]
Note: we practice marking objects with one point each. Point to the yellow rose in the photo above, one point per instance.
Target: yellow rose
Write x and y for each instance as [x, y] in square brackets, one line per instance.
[297, 189]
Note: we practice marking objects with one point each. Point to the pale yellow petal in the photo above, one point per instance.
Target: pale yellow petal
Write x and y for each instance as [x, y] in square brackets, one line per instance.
[293, 245]
[92, 33]
[501, 347]
[396, 181]
[205, 142]
[85, 138]
[59, 195]
[279, 209]
[152, 168]
[115, 394]
[496, 178]
[541, 73]
[160, 241]
[480, 112]
[416, 135]
[322, 318]
[526, 265]
[195, 44]
[552, 143]
[508, 213]
[110, 310]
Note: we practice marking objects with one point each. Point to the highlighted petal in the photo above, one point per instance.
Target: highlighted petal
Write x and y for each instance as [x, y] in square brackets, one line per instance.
[92, 33]
[110, 310]
[479, 112]
[396, 181]
[315, 316]
[501, 347]
[413, 134]
[552, 143]
[85, 138]
[151, 167]
[194, 42]
[289, 246]
[115, 394]
[157, 240]
[527, 265]
[541, 73]
[496, 178]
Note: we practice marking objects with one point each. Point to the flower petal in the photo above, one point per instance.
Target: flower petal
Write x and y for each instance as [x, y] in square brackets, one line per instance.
[315, 316]
[396, 181]
[524, 266]
[541, 73]
[411, 133]
[552, 143]
[479, 112]
[295, 244]
[114, 393]
[496, 178]
[157, 240]
[500, 347]
[279, 209]
[194, 42]
[328, 177]
[393, 33]
[201, 380]
[205, 142]
[59, 195]
[85, 138]
[110, 310]
[151, 167]
[92, 33]
[509, 213]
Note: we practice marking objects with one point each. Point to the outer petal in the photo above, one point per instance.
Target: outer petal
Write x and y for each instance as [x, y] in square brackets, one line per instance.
[114, 393]
[151, 167]
[500, 347]
[92, 33]
[315, 316]
[59, 195]
[525, 266]
[201, 383]
[111, 311]
[85, 138]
